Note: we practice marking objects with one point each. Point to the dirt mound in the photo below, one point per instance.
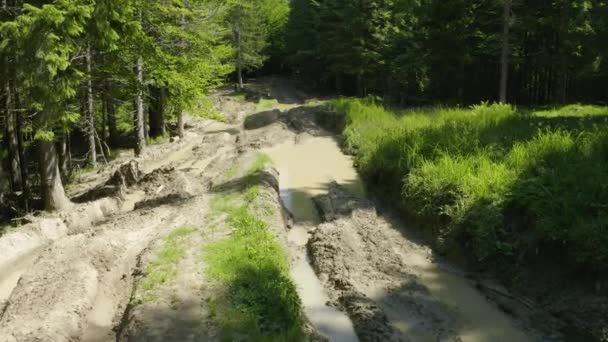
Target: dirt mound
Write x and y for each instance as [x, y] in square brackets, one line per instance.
[166, 186]
[357, 260]
[127, 175]
[262, 119]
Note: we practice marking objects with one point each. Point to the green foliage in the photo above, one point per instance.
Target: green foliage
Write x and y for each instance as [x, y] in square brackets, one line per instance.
[499, 178]
[261, 300]
[164, 268]
[260, 25]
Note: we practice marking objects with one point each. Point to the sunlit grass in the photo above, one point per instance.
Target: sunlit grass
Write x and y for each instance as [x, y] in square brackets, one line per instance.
[267, 104]
[164, 267]
[477, 173]
[261, 301]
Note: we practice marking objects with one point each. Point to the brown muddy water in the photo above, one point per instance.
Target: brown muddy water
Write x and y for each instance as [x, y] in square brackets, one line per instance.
[306, 168]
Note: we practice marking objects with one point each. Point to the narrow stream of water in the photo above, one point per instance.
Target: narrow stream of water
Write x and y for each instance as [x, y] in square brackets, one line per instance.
[306, 168]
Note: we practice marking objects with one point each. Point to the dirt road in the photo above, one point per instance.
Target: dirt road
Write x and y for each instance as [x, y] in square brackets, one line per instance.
[77, 276]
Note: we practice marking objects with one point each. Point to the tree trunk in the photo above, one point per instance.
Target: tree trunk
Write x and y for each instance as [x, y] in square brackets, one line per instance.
[53, 194]
[239, 42]
[504, 58]
[90, 117]
[140, 125]
[360, 91]
[11, 136]
[21, 149]
[64, 157]
[180, 123]
[110, 109]
[157, 112]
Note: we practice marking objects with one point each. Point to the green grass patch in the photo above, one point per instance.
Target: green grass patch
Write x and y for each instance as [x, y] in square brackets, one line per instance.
[267, 104]
[506, 182]
[164, 268]
[240, 96]
[261, 301]
[260, 162]
[205, 108]
[79, 172]
[158, 140]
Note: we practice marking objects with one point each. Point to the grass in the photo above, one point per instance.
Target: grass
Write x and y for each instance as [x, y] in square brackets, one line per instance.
[240, 96]
[504, 182]
[164, 268]
[162, 139]
[261, 301]
[267, 104]
[79, 172]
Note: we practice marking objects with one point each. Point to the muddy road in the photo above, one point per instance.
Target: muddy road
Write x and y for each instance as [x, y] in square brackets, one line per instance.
[77, 275]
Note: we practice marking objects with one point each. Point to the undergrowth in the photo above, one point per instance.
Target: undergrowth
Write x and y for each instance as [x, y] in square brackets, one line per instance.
[267, 104]
[161, 139]
[164, 268]
[505, 182]
[261, 301]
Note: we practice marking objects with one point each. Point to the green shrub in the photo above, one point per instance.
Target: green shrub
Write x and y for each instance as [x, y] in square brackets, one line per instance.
[478, 173]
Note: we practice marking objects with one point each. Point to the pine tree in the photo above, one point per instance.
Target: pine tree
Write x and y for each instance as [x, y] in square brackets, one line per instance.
[254, 24]
[45, 41]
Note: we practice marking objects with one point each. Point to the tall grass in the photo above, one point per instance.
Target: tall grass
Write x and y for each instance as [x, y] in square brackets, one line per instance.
[502, 180]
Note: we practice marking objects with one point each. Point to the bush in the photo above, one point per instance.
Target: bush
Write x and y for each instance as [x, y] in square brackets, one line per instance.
[491, 175]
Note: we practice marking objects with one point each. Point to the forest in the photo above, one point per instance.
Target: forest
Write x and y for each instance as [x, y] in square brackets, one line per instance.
[483, 124]
[81, 78]
[108, 74]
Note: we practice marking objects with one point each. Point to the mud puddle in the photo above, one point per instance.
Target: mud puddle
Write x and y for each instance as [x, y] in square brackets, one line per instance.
[306, 169]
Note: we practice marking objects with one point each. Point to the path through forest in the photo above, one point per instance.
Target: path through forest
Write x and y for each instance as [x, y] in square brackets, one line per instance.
[80, 275]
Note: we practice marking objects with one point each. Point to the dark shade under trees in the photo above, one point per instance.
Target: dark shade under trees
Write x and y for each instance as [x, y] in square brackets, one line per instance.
[457, 51]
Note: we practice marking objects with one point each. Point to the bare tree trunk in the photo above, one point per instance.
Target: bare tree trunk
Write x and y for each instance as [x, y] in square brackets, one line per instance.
[110, 109]
[180, 123]
[21, 149]
[504, 58]
[11, 135]
[156, 112]
[140, 125]
[53, 194]
[90, 117]
[64, 157]
[239, 42]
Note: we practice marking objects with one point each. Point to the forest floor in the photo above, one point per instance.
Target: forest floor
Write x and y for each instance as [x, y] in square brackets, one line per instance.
[132, 263]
